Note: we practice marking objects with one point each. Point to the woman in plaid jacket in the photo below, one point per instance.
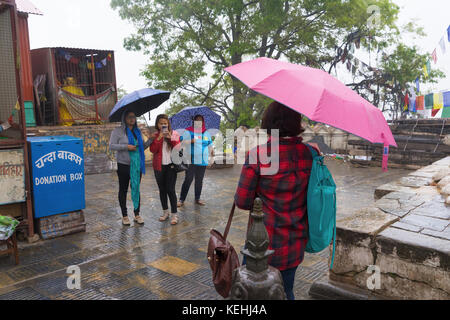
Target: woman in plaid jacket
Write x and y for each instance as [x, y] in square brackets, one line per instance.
[284, 193]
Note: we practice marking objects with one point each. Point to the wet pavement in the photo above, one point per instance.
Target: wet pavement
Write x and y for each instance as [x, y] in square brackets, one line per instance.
[157, 260]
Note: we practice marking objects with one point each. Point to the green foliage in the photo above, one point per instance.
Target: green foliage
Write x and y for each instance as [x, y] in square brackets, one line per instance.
[190, 42]
[121, 92]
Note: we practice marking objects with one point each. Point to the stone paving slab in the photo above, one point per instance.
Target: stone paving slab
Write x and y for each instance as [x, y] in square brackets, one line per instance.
[434, 209]
[120, 262]
[426, 222]
[407, 227]
[443, 234]
[413, 246]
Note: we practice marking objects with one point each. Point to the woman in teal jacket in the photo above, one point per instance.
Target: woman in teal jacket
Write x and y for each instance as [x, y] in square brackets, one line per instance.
[200, 142]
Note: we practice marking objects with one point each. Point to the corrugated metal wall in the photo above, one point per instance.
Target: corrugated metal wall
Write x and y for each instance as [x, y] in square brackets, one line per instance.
[8, 90]
[25, 58]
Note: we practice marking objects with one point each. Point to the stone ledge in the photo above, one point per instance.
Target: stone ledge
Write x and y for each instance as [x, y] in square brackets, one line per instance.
[355, 237]
[330, 290]
[407, 236]
[414, 247]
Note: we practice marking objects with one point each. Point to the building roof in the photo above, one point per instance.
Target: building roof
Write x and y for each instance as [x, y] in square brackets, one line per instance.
[25, 6]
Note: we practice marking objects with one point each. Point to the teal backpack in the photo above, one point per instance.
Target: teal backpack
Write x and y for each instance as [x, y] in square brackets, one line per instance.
[321, 207]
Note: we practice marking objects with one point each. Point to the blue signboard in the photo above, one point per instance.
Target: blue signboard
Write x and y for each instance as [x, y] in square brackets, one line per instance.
[57, 171]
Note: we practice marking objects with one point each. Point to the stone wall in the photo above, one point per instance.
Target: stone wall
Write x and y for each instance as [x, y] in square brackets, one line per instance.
[406, 235]
[98, 157]
[336, 139]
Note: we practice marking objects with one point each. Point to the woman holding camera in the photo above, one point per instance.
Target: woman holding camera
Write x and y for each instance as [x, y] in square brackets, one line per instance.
[164, 140]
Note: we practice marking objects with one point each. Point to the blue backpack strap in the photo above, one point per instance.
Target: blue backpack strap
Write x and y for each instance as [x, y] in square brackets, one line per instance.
[334, 240]
[312, 150]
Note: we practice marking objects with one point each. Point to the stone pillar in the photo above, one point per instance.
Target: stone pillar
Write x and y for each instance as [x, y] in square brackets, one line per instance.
[257, 280]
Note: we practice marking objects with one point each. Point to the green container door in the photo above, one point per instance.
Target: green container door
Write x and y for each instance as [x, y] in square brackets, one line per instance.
[29, 114]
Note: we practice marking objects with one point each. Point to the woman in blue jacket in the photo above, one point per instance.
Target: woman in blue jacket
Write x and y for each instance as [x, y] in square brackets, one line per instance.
[200, 142]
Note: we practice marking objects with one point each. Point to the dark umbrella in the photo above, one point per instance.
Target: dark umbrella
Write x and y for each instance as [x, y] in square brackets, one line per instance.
[185, 118]
[140, 102]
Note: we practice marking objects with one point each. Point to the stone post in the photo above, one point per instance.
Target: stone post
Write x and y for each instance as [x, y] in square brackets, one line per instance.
[257, 280]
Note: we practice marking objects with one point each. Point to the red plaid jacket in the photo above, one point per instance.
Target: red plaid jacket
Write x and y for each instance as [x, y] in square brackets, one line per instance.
[284, 199]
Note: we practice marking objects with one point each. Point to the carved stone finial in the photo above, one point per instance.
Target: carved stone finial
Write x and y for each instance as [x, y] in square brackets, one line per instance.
[257, 280]
[257, 241]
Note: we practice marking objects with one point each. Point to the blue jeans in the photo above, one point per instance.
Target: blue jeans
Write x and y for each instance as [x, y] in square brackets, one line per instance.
[288, 280]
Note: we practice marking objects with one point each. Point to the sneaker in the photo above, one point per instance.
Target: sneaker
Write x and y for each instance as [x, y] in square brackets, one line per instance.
[126, 221]
[138, 220]
[200, 203]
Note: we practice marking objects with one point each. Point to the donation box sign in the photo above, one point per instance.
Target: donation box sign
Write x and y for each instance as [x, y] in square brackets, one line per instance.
[12, 176]
[57, 171]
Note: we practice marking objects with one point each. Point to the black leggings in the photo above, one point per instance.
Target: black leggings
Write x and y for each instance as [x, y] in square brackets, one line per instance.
[199, 173]
[123, 172]
[167, 179]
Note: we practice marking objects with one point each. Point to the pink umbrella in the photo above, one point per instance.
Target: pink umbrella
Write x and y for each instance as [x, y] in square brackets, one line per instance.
[317, 95]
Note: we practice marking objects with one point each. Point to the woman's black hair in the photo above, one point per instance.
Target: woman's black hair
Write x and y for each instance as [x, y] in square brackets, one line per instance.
[198, 115]
[125, 119]
[163, 116]
[279, 117]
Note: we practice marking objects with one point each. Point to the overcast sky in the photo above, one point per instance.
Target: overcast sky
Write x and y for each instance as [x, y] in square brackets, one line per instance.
[93, 24]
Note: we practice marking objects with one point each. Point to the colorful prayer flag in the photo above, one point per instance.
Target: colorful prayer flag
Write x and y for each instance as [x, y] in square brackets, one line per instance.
[75, 60]
[90, 65]
[448, 33]
[429, 103]
[429, 66]
[438, 101]
[412, 105]
[420, 103]
[98, 65]
[425, 71]
[412, 100]
[104, 62]
[446, 98]
[418, 84]
[436, 113]
[434, 56]
[406, 103]
[442, 43]
[446, 112]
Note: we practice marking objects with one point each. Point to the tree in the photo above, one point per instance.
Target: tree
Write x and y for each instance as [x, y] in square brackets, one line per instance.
[190, 42]
[387, 84]
[121, 92]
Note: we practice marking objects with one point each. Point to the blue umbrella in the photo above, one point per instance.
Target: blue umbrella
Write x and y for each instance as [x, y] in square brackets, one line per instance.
[140, 102]
[185, 118]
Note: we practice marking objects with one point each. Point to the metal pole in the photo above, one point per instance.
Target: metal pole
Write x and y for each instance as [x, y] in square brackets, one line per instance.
[95, 86]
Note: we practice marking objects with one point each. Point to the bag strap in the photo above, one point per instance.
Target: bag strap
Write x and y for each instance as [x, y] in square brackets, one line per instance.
[230, 218]
[313, 151]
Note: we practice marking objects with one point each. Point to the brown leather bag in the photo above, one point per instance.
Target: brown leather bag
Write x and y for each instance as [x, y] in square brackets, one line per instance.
[222, 258]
